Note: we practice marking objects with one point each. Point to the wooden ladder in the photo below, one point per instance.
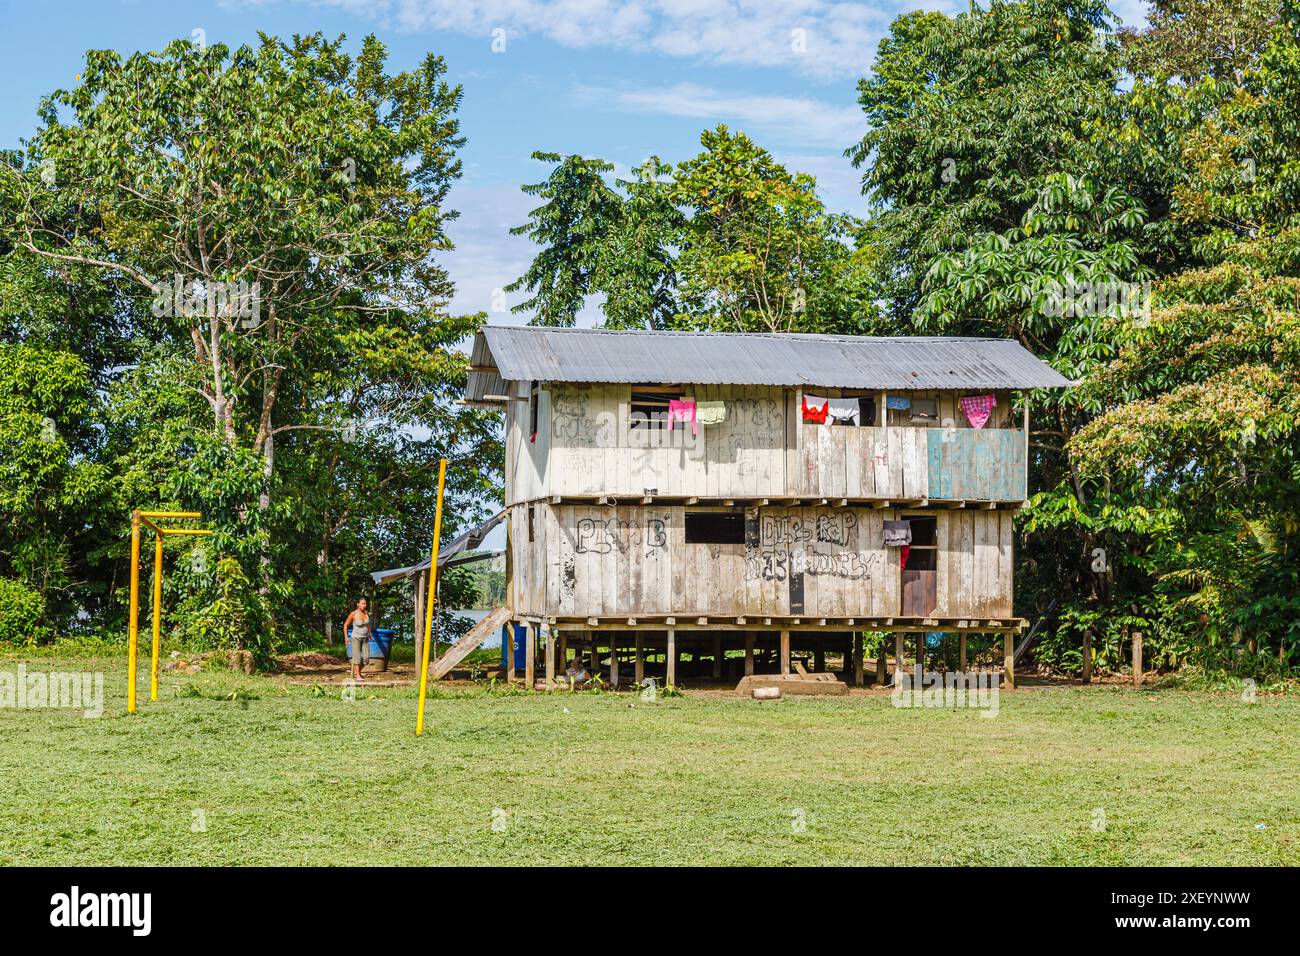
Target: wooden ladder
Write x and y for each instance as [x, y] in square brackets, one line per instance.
[477, 634]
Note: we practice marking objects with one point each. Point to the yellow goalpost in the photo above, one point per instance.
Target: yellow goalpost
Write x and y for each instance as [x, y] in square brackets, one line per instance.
[432, 598]
[149, 518]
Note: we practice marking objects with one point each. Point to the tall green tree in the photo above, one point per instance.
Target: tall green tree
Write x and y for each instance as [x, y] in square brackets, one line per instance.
[1018, 189]
[1018, 151]
[268, 220]
[315, 178]
[571, 227]
[1199, 414]
[726, 240]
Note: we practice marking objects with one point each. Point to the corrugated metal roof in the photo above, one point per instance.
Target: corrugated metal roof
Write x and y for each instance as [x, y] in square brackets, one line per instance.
[533, 353]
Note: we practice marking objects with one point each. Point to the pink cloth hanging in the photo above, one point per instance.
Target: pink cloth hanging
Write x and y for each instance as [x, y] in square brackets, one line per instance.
[682, 411]
[978, 408]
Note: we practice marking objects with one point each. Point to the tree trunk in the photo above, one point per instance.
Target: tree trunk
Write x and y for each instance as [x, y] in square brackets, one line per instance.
[323, 562]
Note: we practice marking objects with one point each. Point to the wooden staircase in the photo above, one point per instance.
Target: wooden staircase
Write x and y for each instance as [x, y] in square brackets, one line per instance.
[477, 634]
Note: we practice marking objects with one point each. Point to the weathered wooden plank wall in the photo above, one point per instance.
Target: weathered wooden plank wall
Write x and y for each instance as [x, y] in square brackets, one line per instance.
[595, 451]
[586, 447]
[865, 462]
[527, 459]
[986, 464]
[625, 561]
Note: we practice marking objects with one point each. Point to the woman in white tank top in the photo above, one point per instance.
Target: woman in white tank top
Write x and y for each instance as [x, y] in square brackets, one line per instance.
[358, 637]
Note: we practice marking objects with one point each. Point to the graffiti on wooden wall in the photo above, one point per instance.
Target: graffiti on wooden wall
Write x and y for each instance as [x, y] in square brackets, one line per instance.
[573, 424]
[606, 536]
[792, 545]
[762, 418]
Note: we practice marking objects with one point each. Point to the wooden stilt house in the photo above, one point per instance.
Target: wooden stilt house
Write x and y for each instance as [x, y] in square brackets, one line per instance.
[704, 491]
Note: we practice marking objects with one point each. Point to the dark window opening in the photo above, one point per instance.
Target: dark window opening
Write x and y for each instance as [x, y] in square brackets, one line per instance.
[533, 402]
[866, 408]
[715, 527]
[531, 523]
[650, 407]
[923, 555]
[924, 531]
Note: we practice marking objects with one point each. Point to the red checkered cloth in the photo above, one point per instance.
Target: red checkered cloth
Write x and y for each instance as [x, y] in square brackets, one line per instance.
[978, 408]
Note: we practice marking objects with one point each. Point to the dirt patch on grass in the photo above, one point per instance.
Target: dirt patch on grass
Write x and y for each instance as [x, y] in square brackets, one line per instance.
[313, 667]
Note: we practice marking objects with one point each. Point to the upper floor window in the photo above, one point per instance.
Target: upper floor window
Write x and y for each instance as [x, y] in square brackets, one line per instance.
[850, 407]
[650, 405]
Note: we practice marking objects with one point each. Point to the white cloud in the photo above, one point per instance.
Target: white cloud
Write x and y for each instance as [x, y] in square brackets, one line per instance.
[826, 39]
[789, 120]
[822, 38]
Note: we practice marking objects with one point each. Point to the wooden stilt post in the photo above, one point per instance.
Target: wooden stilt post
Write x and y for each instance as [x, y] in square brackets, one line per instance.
[859, 673]
[562, 663]
[749, 654]
[613, 659]
[961, 652]
[594, 655]
[785, 653]
[1087, 656]
[899, 666]
[920, 660]
[1009, 659]
[530, 656]
[509, 640]
[550, 659]
[420, 585]
[882, 673]
[1137, 658]
[717, 658]
[638, 667]
[670, 676]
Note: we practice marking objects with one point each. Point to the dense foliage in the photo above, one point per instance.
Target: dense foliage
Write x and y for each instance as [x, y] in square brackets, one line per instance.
[219, 291]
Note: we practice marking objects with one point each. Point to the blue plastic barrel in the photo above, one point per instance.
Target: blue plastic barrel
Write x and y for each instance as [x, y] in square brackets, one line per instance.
[518, 644]
[380, 644]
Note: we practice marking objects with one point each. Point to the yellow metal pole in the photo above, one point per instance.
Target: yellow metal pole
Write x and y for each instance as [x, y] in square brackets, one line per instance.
[157, 614]
[134, 625]
[171, 514]
[433, 596]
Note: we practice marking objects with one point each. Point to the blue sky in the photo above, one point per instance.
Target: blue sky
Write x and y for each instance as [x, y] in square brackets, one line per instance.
[619, 79]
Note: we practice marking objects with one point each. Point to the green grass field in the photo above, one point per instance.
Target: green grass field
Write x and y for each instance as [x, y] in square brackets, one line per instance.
[296, 775]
